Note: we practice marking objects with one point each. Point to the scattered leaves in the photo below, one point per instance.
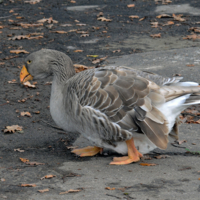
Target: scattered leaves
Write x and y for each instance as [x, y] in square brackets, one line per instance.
[48, 20]
[48, 176]
[190, 65]
[131, 5]
[30, 25]
[13, 128]
[141, 19]
[12, 82]
[18, 51]
[44, 190]
[154, 24]
[117, 51]
[28, 84]
[60, 32]
[181, 141]
[37, 112]
[148, 164]
[103, 19]
[32, 1]
[20, 37]
[193, 36]
[28, 185]
[195, 29]
[28, 114]
[168, 23]
[158, 35]
[84, 35]
[70, 191]
[109, 188]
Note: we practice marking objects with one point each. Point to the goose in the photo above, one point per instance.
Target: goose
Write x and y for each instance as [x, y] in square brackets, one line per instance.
[126, 110]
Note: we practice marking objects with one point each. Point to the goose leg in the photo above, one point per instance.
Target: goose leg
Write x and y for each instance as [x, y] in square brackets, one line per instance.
[87, 151]
[133, 155]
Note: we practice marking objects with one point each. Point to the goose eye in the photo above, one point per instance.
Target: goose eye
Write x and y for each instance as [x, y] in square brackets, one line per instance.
[29, 61]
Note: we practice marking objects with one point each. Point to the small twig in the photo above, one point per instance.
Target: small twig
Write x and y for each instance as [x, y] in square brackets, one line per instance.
[51, 125]
[113, 196]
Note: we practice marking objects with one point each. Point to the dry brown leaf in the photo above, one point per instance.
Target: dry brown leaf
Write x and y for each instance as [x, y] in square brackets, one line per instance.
[28, 114]
[163, 16]
[28, 84]
[61, 32]
[181, 141]
[24, 160]
[48, 176]
[11, 11]
[148, 164]
[48, 20]
[100, 14]
[198, 121]
[19, 150]
[3, 179]
[134, 17]
[30, 25]
[193, 36]
[10, 20]
[28, 185]
[13, 81]
[103, 19]
[73, 30]
[72, 1]
[158, 35]
[19, 17]
[80, 24]
[190, 65]
[178, 18]
[80, 68]
[154, 24]
[22, 101]
[18, 51]
[32, 1]
[1, 27]
[64, 25]
[20, 37]
[44, 190]
[168, 23]
[78, 50]
[117, 51]
[99, 60]
[37, 112]
[131, 5]
[161, 156]
[12, 129]
[70, 191]
[82, 32]
[2, 63]
[195, 29]
[199, 179]
[141, 19]
[109, 188]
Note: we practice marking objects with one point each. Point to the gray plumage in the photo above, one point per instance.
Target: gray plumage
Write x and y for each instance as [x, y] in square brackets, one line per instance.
[113, 104]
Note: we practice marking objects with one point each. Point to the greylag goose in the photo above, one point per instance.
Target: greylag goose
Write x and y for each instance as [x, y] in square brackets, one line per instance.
[129, 111]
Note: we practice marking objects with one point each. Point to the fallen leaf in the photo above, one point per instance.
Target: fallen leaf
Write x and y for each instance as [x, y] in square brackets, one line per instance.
[103, 19]
[93, 56]
[13, 81]
[3, 179]
[80, 24]
[80, 68]
[109, 188]
[78, 50]
[24, 160]
[19, 150]
[99, 60]
[61, 32]
[37, 112]
[1, 27]
[18, 51]
[134, 17]
[181, 141]
[20, 37]
[163, 16]
[22, 101]
[73, 30]
[198, 121]
[199, 179]
[82, 32]
[178, 18]
[34, 163]
[44, 190]
[28, 114]
[168, 23]
[13, 128]
[148, 164]
[117, 51]
[155, 24]
[76, 21]
[64, 25]
[70, 191]
[161, 156]
[72, 1]
[131, 5]
[193, 36]
[141, 19]
[190, 65]
[48, 20]
[186, 168]
[30, 25]
[28, 185]
[11, 11]
[48, 176]
[195, 29]
[19, 17]
[28, 84]
[158, 35]
[48, 83]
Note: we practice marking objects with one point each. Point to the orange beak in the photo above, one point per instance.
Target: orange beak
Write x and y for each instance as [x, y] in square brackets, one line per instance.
[24, 75]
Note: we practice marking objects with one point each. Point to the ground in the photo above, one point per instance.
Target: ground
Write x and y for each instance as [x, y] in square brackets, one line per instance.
[125, 38]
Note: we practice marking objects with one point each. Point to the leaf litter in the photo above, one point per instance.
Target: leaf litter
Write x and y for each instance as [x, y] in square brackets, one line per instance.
[13, 128]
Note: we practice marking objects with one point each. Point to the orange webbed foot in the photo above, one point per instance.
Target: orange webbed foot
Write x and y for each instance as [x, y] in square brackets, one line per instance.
[87, 151]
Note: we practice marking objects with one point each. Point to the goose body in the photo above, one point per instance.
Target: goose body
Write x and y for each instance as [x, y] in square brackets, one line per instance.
[123, 109]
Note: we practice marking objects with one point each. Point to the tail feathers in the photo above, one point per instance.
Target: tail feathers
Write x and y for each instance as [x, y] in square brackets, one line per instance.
[192, 100]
